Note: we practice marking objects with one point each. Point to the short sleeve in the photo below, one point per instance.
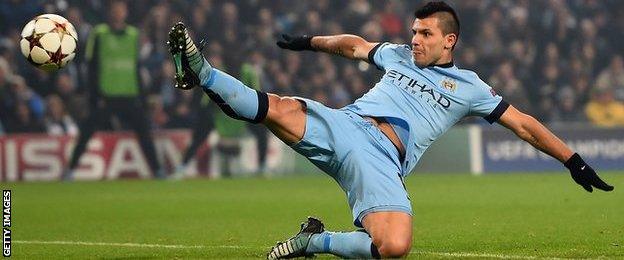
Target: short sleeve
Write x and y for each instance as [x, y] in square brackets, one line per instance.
[487, 103]
[382, 54]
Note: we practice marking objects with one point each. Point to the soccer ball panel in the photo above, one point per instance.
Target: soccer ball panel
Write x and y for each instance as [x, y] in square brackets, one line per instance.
[54, 17]
[67, 59]
[25, 47]
[39, 55]
[44, 25]
[50, 41]
[28, 29]
[49, 67]
[68, 45]
[72, 31]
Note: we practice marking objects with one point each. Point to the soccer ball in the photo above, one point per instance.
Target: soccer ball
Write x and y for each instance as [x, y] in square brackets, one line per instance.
[49, 42]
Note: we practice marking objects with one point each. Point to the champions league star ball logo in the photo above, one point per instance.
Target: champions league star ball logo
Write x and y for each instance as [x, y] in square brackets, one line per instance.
[449, 84]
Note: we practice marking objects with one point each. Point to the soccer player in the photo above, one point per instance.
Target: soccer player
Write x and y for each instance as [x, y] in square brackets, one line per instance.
[368, 147]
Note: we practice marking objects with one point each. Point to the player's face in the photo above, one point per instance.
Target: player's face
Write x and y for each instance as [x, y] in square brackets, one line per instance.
[428, 41]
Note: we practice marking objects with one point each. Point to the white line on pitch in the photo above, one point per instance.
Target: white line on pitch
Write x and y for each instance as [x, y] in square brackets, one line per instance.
[481, 255]
[81, 243]
[445, 254]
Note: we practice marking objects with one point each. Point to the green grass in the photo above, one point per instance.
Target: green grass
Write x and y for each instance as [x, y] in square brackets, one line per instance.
[520, 215]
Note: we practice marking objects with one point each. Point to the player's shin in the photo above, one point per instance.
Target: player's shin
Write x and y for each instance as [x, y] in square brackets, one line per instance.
[233, 97]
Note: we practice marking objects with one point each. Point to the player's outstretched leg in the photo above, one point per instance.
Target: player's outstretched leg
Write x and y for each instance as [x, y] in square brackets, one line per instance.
[192, 69]
[312, 238]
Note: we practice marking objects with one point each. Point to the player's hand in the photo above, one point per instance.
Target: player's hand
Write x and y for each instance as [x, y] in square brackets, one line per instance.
[584, 175]
[296, 43]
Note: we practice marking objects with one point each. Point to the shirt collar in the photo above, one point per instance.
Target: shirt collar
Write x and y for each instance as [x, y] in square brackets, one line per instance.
[445, 65]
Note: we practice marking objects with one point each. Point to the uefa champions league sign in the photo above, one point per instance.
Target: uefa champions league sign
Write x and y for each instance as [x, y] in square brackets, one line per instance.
[601, 147]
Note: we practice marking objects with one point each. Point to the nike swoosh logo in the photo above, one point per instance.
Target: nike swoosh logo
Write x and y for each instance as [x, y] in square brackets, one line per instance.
[583, 168]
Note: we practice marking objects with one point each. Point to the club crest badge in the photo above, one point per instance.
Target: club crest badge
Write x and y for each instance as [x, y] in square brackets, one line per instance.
[449, 84]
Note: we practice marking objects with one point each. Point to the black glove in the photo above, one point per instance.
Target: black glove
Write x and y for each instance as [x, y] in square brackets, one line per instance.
[296, 43]
[584, 175]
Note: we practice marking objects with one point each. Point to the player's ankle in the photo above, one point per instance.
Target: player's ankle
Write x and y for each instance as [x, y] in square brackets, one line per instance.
[205, 75]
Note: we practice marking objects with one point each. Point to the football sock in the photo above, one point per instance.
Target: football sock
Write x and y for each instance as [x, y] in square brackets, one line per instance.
[233, 97]
[354, 244]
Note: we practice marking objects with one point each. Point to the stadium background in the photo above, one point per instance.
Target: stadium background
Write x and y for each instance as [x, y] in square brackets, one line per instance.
[559, 60]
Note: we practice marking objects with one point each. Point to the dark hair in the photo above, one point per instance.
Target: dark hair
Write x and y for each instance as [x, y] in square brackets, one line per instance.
[447, 25]
[110, 3]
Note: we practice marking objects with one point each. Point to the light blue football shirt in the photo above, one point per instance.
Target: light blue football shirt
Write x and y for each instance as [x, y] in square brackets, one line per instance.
[423, 103]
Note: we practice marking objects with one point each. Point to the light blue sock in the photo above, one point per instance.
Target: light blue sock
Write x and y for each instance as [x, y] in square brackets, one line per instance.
[233, 97]
[354, 244]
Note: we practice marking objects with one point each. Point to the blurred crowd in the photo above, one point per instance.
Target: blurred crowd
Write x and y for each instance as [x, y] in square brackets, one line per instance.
[559, 60]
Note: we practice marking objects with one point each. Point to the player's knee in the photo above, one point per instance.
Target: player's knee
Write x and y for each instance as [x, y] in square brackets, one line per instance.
[394, 247]
[282, 108]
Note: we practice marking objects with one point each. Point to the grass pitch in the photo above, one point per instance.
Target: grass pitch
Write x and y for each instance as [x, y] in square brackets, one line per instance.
[520, 216]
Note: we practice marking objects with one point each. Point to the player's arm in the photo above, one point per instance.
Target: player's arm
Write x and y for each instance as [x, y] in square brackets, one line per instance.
[532, 131]
[345, 45]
